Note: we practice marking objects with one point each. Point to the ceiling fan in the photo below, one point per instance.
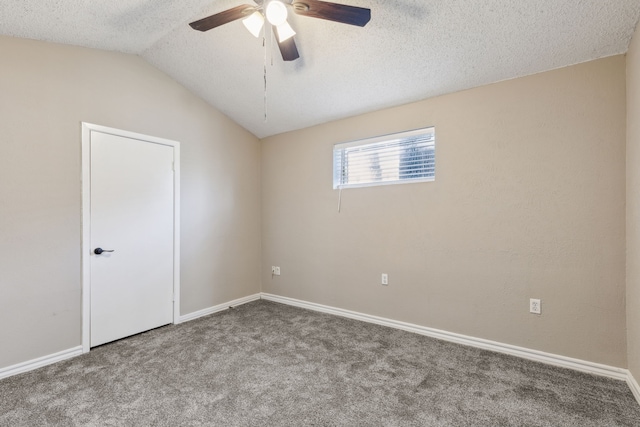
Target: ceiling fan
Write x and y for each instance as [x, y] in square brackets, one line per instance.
[276, 13]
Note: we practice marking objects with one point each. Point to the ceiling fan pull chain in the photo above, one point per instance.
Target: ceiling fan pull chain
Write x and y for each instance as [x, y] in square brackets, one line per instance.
[264, 44]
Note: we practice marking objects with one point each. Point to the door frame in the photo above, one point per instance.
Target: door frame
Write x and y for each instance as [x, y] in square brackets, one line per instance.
[85, 247]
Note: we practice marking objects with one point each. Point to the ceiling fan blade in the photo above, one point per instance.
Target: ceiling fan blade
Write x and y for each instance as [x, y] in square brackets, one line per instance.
[288, 48]
[333, 12]
[213, 21]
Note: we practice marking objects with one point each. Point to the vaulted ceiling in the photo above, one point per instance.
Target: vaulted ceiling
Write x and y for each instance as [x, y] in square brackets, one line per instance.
[410, 50]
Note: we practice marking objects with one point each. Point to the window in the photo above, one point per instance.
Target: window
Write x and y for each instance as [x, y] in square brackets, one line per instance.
[390, 159]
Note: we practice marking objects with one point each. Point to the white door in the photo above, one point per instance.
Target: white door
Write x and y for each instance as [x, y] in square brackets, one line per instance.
[131, 236]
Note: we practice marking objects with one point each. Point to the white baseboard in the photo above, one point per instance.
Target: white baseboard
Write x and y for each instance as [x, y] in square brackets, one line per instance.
[633, 385]
[535, 355]
[77, 351]
[219, 307]
[30, 365]
[525, 353]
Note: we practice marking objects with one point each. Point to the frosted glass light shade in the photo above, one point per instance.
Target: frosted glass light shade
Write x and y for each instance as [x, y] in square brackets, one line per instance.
[285, 32]
[254, 23]
[276, 12]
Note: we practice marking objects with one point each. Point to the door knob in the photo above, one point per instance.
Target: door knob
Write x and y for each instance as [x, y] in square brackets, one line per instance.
[98, 251]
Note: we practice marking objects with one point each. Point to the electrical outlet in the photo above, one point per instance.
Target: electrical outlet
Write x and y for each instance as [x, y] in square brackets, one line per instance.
[534, 306]
[277, 273]
[385, 279]
[273, 269]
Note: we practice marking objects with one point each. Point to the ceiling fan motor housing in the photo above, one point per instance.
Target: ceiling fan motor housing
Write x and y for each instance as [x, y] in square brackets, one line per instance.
[276, 14]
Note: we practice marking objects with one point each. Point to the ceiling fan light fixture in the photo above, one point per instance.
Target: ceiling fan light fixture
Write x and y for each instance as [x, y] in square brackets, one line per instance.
[285, 32]
[276, 13]
[254, 23]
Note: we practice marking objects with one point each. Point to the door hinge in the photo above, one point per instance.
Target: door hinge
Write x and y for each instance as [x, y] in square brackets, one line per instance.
[173, 166]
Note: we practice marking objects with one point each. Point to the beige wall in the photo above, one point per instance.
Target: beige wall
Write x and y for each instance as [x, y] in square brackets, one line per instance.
[633, 206]
[528, 202]
[46, 90]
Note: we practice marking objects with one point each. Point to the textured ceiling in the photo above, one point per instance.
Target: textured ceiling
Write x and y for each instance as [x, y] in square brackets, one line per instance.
[410, 50]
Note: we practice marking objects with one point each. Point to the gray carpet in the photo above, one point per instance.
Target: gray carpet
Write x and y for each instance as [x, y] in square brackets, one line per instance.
[267, 364]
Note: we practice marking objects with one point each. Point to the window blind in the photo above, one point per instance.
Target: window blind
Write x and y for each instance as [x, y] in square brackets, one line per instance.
[401, 157]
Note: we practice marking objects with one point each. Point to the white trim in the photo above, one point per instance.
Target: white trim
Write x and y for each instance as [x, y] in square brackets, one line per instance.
[388, 137]
[86, 236]
[381, 183]
[219, 307]
[79, 350]
[525, 353]
[176, 233]
[87, 128]
[548, 358]
[30, 365]
[633, 385]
